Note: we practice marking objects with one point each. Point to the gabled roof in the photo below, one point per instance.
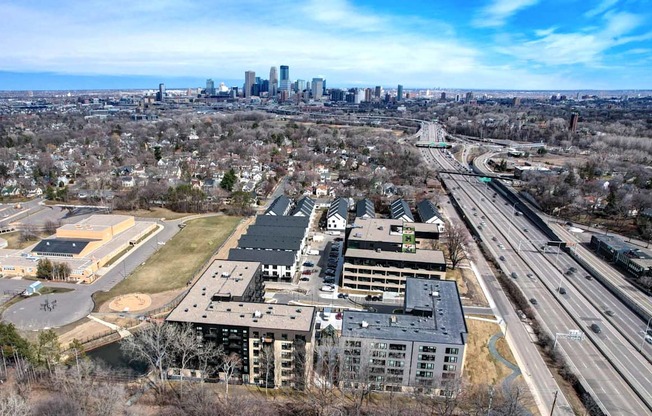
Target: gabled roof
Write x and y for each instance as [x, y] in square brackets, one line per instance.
[428, 211]
[270, 242]
[280, 206]
[284, 221]
[338, 207]
[304, 207]
[365, 209]
[267, 257]
[276, 231]
[401, 210]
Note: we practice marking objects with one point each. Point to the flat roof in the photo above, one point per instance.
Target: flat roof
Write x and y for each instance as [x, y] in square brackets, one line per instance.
[61, 246]
[97, 222]
[420, 256]
[199, 309]
[376, 229]
[227, 277]
[447, 328]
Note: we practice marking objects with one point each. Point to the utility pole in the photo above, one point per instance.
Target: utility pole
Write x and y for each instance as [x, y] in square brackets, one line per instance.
[491, 399]
[554, 401]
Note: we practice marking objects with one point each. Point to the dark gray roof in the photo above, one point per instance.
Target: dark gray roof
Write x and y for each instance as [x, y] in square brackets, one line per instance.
[427, 211]
[365, 209]
[270, 242]
[276, 231]
[285, 221]
[450, 325]
[280, 206]
[400, 208]
[339, 206]
[305, 207]
[273, 257]
[60, 246]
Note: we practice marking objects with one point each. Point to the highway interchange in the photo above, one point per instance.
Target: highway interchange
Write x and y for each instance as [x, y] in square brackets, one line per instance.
[608, 363]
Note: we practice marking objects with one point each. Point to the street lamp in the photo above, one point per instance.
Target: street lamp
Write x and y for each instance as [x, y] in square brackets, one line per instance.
[647, 327]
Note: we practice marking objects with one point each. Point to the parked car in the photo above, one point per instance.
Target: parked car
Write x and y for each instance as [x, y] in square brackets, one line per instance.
[309, 264]
[329, 280]
[342, 295]
[328, 288]
[596, 328]
[339, 239]
[305, 279]
[533, 301]
[330, 272]
[306, 272]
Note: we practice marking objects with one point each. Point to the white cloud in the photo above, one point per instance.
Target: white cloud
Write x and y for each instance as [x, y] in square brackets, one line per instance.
[497, 12]
[586, 46]
[602, 7]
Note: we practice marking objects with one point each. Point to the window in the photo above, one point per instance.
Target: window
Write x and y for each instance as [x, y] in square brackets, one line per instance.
[428, 366]
[425, 348]
[450, 367]
[452, 350]
[426, 357]
[450, 359]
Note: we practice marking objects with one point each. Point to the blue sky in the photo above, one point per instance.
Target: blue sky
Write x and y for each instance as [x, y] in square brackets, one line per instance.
[502, 44]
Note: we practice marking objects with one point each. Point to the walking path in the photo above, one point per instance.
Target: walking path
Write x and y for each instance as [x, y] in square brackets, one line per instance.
[123, 332]
[515, 370]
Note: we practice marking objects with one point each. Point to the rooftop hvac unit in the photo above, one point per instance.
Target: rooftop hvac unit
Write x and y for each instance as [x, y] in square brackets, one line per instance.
[226, 274]
[258, 314]
[434, 294]
[378, 250]
[364, 324]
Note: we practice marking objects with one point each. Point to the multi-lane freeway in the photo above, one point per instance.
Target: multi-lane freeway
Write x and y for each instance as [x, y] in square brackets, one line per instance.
[607, 363]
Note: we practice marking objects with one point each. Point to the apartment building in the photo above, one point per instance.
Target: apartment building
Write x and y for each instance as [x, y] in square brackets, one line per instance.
[382, 253]
[398, 352]
[275, 342]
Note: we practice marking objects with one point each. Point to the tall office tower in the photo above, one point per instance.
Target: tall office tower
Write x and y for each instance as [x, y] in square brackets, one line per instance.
[160, 95]
[285, 79]
[250, 81]
[273, 82]
[573, 122]
[317, 88]
[324, 90]
[378, 92]
[399, 93]
[367, 95]
[516, 101]
[210, 87]
[469, 96]
[300, 85]
[443, 96]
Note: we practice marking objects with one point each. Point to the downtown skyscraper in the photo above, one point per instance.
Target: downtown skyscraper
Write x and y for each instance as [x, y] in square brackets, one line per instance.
[273, 82]
[250, 80]
[285, 79]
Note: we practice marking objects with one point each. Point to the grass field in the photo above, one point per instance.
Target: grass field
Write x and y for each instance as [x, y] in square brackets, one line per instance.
[154, 213]
[481, 367]
[13, 240]
[177, 261]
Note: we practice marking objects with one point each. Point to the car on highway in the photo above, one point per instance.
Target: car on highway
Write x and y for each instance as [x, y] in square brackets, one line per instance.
[609, 312]
[309, 264]
[328, 288]
[500, 246]
[530, 275]
[502, 258]
[525, 230]
[562, 291]
[568, 273]
[494, 238]
[596, 328]
[648, 339]
[589, 277]
[572, 269]
[514, 275]
[533, 301]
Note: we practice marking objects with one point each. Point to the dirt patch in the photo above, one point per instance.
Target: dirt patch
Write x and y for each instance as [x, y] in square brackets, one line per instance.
[232, 241]
[480, 366]
[130, 303]
[468, 286]
[85, 329]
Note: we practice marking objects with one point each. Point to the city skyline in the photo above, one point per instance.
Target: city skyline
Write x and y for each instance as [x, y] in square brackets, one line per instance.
[495, 44]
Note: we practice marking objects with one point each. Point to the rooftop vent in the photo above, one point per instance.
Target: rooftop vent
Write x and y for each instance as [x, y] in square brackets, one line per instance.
[434, 294]
[258, 314]
[378, 250]
[226, 274]
[364, 324]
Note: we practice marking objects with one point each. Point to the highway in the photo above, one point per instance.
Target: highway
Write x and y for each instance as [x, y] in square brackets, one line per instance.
[608, 364]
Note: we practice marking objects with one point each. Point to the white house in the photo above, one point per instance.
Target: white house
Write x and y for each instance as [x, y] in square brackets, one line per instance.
[336, 218]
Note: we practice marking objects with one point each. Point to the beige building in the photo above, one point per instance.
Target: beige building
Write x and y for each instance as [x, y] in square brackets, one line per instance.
[85, 246]
[275, 342]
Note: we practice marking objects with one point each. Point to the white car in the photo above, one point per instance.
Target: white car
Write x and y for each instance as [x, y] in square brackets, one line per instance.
[328, 288]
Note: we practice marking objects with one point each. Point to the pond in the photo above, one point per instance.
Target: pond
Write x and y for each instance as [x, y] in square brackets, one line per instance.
[112, 356]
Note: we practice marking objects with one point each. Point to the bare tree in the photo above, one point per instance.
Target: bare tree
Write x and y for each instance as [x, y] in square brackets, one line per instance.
[153, 345]
[457, 237]
[267, 366]
[356, 372]
[185, 348]
[327, 365]
[230, 364]
[12, 404]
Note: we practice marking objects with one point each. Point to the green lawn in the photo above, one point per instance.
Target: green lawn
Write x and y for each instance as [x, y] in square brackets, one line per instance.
[175, 263]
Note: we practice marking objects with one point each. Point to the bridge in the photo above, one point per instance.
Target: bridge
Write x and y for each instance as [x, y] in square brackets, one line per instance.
[454, 172]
